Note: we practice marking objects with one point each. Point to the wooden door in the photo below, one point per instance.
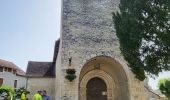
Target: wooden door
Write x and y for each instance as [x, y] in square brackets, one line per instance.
[96, 89]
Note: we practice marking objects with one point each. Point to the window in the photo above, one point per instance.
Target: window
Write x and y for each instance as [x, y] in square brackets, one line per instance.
[6, 69]
[1, 69]
[9, 69]
[1, 81]
[15, 83]
[14, 71]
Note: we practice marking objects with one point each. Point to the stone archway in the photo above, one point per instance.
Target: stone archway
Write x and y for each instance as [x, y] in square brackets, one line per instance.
[111, 72]
[100, 74]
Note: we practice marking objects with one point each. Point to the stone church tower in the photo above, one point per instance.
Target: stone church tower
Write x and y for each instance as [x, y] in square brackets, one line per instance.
[89, 45]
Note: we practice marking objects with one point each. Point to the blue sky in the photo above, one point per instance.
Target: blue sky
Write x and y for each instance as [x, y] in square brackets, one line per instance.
[29, 29]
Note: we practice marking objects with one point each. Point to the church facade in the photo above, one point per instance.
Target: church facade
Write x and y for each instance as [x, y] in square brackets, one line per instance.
[87, 61]
[89, 45]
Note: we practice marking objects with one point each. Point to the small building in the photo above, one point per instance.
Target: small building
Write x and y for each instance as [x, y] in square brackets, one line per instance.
[41, 76]
[11, 75]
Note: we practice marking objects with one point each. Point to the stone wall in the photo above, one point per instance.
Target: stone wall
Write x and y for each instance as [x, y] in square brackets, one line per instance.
[88, 32]
[35, 84]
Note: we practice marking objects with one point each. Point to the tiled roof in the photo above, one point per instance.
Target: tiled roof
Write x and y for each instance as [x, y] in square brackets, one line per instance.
[8, 64]
[40, 69]
[157, 92]
[43, 69]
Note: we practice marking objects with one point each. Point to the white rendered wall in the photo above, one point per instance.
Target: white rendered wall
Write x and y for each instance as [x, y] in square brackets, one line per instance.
[9, 78]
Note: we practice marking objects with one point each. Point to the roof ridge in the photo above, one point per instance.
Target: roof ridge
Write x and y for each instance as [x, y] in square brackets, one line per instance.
[12, 65]
[41, 61]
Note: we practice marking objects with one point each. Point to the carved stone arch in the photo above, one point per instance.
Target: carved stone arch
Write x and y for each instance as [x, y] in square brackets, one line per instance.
[109, 70]
[118, 60]
[100, 74]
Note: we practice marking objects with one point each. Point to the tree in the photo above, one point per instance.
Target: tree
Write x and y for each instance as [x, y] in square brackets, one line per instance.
[6, 92]
[164, 87]
[143, 29]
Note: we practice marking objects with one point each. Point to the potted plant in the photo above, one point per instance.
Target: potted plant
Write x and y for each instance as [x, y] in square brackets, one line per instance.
[70, 74]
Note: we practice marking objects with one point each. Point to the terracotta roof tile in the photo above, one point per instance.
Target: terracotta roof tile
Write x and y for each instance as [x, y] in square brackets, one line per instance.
[8, 64]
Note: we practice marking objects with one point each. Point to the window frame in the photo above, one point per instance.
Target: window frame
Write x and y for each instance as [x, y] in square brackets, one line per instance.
[2, 69]
[15, 83]
[2, 81]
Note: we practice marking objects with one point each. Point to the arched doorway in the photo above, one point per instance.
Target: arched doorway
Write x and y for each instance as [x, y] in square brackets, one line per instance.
[110, 84]
[103, 70]
[96, 89]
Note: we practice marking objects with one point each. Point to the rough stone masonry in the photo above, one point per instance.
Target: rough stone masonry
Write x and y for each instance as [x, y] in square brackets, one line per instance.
[88, 37]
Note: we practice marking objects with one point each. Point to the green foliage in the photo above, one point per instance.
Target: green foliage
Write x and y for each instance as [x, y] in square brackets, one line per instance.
[7, 92]
[143, 29]
[70, 74]
[164, 86]
[70, 77]
[70, 71]
[20, 91]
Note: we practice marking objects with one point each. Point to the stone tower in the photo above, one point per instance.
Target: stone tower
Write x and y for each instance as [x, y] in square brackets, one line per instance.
[89, 45]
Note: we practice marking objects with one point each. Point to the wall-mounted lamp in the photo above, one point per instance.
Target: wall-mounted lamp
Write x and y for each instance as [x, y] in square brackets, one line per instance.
[69, 59]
